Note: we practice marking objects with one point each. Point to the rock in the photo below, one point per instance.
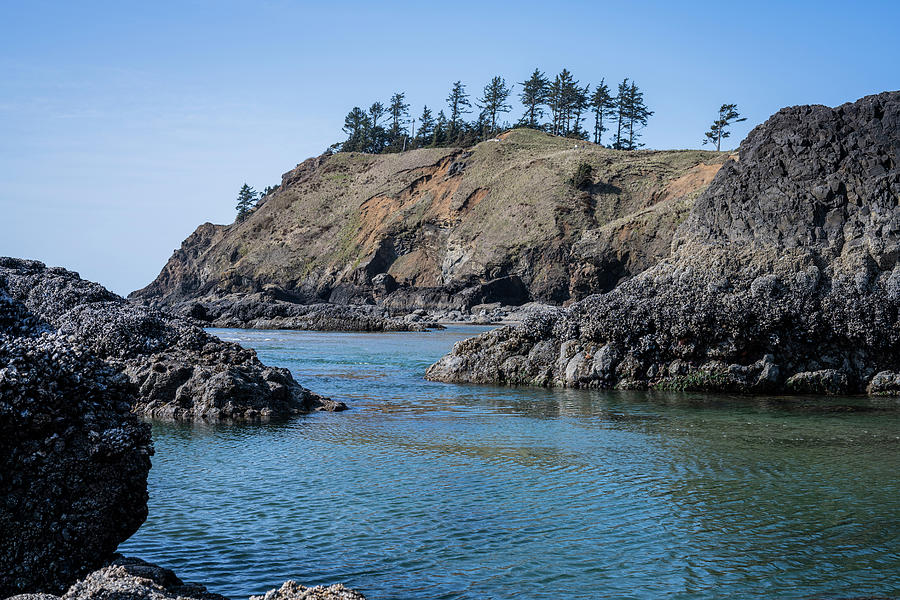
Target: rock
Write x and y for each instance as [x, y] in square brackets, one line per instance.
[134, 579]
[786, 265]
[291, 590]
[180, 371]
[825, 381]
[885, 383]
[73, 458]
[261, 311]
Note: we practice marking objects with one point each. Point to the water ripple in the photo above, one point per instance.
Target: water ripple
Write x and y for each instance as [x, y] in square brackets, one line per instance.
[426, 490]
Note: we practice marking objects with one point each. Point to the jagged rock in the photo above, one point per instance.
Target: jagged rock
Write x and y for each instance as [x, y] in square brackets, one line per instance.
[73, 459]
[291, 590]
[180, 371]
[785, 270]
[134, 579]
[262, 311]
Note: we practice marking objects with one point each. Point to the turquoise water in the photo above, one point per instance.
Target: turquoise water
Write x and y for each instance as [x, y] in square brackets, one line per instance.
[426, 490]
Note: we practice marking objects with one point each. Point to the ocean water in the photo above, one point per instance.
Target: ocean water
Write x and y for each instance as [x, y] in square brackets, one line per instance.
[426, 490]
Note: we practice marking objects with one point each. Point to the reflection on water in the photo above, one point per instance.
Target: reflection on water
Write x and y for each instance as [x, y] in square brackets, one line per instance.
[427, 490]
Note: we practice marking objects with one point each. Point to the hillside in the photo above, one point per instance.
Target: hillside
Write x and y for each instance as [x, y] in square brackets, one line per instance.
[447, 228]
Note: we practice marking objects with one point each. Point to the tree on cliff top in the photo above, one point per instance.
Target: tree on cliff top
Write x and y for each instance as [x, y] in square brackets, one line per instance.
[493, 102]
[458, 101]
[728, 114]
[533, 96]
[246, 200]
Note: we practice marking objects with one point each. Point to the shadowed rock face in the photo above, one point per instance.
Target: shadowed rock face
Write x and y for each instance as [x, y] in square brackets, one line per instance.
[784, 277]
[180, 371]
[73, 459]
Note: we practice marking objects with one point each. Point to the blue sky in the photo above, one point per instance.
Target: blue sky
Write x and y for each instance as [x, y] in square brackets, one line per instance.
[124, 125]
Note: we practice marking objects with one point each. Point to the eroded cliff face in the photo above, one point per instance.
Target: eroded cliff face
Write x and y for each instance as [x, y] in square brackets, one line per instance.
[447, 228]
[783, 277]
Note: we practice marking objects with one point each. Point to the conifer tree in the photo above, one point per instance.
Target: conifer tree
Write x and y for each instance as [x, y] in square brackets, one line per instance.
[728, 114]
[493, 103]
[246, 200]
[533, 96]
[637, 115]
[376, 132]
[578, 102]
[426, 127]
[399, 112]
[458, 101]
[620, 107]
[439, 137]
[602, 105]
[356, 126]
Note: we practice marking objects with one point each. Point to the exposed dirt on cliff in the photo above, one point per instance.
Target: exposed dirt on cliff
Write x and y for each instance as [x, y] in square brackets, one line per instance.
[436, 222]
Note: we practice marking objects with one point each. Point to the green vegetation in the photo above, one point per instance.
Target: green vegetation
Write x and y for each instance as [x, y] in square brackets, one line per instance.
[582, 175]
[564, 98]
[246, 201]
[728, 114]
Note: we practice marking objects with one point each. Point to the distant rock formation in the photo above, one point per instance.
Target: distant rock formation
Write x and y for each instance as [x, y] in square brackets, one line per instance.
[180, 371]
[784, 277]
[442, 229]
[73, 459]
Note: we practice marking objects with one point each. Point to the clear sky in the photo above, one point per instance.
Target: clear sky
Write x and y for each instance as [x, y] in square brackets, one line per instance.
[124, 125]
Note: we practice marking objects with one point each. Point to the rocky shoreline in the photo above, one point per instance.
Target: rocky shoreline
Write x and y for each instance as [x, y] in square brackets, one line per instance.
[264, 311]
[180, 371]
[79, 365]
[124, 578]
[784, 278]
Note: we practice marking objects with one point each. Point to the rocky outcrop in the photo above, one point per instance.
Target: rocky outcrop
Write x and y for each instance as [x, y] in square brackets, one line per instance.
[264, 310]
[179, 370]
[73, 459]
[444, 229]
[134, 579]
[783, 277]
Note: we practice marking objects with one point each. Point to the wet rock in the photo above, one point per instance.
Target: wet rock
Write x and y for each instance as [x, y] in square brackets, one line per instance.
[179, 370]
[291, 590]
[73, 458]
[134, 579]
[826, 381]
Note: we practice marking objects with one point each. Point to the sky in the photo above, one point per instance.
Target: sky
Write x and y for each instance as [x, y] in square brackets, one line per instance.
[125, 125]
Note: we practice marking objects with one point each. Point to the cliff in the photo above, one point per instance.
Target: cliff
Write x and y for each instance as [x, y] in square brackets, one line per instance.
[446, 228]
[783, 277]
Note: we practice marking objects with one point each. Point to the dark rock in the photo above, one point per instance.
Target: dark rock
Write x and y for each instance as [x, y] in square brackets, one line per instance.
[73, 458]
[785, 271]
[180, 371]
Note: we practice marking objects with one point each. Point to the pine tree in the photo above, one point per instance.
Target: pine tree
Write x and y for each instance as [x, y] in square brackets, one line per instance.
[533, 96]
[399, 112]
[578, 102]
[602, 105]
[377, 136]
[426, 128]
[637, 114]
[493, 102]
[439, 137]
[458, 101]
[728, 114]
[620, 107]
[246, 200]
[356, 126]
